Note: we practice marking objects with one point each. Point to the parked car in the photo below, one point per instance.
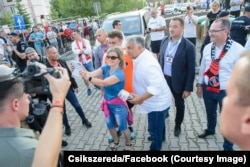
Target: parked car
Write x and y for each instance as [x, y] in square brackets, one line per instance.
[170, 9]
[130, 19]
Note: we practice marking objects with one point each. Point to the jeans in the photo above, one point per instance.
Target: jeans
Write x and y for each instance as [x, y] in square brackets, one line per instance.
[40, 51]
[179, 103]
[89, 66]
[157, 128]
[71, 97]
[211, 101]
[117, 113]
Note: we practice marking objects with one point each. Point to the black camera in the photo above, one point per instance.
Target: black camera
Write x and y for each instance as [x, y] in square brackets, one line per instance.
[38, 115]
[34, 80]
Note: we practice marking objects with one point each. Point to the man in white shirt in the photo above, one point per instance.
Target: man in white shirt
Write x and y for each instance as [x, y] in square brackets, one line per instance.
[216, 67]
[151, 91]
[156, 28]
[190, 22]
[82, 50]
[52, 37]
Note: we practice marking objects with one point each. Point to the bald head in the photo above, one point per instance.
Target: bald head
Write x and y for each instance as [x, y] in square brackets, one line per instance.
[101, 36]
[242, 78]
[154, 12]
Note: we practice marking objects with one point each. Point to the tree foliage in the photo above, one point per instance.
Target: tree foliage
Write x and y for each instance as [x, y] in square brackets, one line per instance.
[7, 19]
[84, 8]
[23, 11]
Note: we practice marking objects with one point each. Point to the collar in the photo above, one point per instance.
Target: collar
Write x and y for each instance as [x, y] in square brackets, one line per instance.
[141, 56]
[177, 42]
[16, 132]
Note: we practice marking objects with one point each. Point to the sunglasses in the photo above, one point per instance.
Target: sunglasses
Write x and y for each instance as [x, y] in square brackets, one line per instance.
[112, 57]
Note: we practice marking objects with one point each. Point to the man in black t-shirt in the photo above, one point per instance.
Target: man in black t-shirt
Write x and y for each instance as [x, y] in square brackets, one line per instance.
[239, 29]
[18, 51]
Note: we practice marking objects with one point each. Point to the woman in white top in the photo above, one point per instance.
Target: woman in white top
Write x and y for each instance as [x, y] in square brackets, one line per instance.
[235, 7]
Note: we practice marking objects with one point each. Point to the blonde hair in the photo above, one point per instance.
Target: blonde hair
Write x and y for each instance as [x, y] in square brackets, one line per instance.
[119, 51]
[215, 2]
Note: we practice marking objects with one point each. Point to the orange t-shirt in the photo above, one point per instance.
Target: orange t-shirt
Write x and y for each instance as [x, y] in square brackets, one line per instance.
[128, 72]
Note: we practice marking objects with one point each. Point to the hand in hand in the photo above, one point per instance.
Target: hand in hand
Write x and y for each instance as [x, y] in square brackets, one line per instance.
[136, 99]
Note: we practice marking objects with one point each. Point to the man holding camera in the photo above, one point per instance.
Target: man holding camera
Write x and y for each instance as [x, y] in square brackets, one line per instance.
[17, 144]
[54, 61]
[32, 56]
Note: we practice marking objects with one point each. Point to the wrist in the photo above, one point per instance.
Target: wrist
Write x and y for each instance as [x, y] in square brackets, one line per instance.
[90, 78]
[57, 104]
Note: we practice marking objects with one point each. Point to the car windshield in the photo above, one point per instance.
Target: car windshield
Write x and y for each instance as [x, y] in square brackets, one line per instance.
[130, 25]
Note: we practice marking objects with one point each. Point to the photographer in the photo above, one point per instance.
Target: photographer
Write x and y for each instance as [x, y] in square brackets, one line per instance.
[32, 55]
[19, 144]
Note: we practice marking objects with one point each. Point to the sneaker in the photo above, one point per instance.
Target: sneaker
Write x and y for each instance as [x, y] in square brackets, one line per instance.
[111, 138]
[64, 143]
[132, 135]
[119, 133]
[87, 123]
[67, 130]
[89, 92]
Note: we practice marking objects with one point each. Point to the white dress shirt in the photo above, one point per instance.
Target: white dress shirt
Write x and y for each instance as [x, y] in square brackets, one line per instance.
[148, 77]
[226, 64]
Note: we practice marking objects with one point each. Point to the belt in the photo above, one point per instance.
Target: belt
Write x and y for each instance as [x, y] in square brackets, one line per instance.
[167, 77]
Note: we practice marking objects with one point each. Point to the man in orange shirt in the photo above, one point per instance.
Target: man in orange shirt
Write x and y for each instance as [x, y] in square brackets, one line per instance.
[115, 39]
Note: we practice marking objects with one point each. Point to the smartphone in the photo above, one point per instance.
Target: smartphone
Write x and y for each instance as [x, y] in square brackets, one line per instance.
[188, 8]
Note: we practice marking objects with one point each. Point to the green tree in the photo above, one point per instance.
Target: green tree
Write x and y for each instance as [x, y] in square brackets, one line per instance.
[23, 11]
[84, 8]
[7, 19]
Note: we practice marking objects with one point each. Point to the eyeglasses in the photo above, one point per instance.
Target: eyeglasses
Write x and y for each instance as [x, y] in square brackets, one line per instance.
[214, 31]
[112, 57]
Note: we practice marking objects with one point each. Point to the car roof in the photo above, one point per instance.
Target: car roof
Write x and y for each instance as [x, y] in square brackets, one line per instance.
[126, 14]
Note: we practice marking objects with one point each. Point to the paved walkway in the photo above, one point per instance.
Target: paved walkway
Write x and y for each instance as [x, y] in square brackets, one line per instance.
[96, 138]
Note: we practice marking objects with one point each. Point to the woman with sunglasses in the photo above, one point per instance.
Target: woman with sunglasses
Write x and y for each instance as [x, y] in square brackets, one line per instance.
[115, 109]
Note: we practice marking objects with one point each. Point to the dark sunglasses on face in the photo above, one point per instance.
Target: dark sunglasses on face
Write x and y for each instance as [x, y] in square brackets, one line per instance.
[112, 57]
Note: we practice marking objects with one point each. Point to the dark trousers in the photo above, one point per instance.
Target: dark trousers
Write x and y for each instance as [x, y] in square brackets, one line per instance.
[71, 97]
[211, 101]
[179, 103]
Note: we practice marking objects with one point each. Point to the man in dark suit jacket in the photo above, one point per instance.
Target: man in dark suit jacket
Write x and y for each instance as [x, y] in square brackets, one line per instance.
[177, 59]
[54, 61]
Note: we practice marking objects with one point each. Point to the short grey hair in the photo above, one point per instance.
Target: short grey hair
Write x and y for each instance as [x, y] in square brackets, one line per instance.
[137, 39]
[225, 23]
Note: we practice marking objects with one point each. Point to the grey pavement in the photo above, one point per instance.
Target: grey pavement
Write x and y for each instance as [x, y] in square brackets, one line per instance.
[96, 137]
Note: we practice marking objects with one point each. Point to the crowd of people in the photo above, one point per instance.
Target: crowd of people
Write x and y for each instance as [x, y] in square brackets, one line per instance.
[128, 74]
